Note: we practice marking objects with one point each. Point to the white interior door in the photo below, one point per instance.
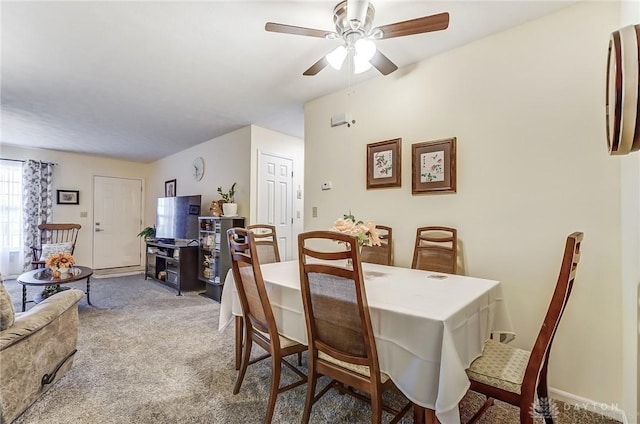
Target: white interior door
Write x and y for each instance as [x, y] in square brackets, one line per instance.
[275, 198]
[117, 213]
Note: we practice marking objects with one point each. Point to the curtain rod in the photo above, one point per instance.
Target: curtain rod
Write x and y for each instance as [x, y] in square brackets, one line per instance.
[23, 161]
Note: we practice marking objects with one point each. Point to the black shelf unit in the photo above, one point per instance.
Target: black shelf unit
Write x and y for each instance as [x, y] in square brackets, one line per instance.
[213, 258]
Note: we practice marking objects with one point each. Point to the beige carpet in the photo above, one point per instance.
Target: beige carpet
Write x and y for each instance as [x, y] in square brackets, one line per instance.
[146, 355]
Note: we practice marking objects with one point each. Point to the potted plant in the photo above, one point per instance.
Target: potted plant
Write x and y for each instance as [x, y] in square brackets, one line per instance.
[229, 207]
[148, 233]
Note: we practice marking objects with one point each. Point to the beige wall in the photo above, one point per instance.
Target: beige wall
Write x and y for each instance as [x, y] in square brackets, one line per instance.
[76, 172]
[527, 107]
[229, 158]
[226, 161]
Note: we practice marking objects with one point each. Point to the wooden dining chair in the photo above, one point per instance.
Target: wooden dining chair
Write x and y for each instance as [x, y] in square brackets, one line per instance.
[514, 375]
[379, 254]
[436, 249]
[340, 337]
[266, 242]
[259, 323]
[54, 238]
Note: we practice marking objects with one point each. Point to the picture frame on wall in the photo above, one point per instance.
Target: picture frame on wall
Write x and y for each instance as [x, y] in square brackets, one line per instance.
[68, 197]
[384, 161]
[170, 188]
[433, 167]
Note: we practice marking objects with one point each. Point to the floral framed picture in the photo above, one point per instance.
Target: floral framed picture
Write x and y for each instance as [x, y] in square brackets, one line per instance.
[383, 164]
[433, 166]
[68, 197]
[170, 188]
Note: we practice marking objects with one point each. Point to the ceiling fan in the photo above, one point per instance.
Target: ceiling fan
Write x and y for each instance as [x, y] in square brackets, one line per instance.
[354, 25]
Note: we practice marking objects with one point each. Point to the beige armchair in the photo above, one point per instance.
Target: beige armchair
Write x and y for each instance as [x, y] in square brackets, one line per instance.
[36, 348]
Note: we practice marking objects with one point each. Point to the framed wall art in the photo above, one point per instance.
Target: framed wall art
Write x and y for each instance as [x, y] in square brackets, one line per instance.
[433, 167]
[384, 164]
[68, 197]
[170, 188]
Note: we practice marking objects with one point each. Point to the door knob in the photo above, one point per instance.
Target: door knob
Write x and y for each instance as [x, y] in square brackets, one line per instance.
[99, 229]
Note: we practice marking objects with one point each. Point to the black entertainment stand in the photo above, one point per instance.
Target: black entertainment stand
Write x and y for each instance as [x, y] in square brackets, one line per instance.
[175, 265]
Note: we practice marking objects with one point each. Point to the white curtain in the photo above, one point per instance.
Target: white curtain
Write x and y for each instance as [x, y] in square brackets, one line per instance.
[11, 244]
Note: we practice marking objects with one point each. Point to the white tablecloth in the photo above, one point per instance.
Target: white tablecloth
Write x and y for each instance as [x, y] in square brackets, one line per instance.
[428, 330]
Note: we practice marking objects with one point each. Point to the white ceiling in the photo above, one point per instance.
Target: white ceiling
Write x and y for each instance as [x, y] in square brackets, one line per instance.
[143, 80]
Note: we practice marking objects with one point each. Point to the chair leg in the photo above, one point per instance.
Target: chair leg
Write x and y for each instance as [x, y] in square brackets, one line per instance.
[543, 392]
[239, 328]
[311, 390]
[248, 343]
[276, 367]
[376, 408]
[480, 412]
[525, 415]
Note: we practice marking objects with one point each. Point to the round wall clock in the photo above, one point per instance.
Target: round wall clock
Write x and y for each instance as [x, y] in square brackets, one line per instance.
[623, 91]
[197, 168]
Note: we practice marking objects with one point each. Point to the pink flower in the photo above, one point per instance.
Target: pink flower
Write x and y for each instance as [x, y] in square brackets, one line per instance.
[365, 231]
[374, 236]
[343, 226]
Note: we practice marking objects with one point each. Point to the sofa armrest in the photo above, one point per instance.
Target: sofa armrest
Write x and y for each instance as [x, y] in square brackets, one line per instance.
[39, 316]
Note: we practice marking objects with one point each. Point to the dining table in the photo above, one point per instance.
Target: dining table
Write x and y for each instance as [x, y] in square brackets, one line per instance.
[428, 327]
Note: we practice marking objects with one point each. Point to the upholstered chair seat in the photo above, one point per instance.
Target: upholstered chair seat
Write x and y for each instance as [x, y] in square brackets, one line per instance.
[360, 369]
[284, 341]
[501, 365]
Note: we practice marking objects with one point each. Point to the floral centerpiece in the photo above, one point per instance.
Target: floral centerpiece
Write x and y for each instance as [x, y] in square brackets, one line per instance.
[59, 262]
[365, 231]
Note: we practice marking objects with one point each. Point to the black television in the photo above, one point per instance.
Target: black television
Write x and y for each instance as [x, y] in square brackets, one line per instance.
[177, 218]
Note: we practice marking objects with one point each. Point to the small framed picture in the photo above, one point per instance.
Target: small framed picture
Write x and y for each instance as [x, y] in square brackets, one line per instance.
[383, 164]
[433, 167]
[68, 197]
[170, 188]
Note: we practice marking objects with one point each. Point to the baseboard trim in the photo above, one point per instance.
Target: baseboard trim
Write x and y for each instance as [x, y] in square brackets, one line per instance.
[117, 272]
[608, 410]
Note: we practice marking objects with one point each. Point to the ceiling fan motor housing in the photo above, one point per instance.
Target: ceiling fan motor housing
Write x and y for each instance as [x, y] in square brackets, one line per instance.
[344, 28]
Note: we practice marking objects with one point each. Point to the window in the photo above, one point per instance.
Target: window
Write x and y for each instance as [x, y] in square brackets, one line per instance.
[10, 217]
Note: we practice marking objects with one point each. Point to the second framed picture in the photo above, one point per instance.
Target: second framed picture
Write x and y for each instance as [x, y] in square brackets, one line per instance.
[433, 167]
[383, 164]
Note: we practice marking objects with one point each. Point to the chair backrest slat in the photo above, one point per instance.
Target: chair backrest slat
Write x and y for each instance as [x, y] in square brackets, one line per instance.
[379, 254]
[436, 249]
[59, 233]
[266, 242]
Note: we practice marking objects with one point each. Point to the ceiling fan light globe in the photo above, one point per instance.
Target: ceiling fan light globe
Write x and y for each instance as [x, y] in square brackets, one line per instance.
[366, 49]
[360, 64]
[336, 57]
